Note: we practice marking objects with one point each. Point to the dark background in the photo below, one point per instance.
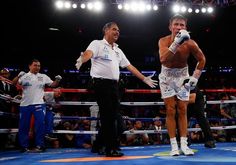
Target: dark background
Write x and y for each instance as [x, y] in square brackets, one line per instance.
[26, 34]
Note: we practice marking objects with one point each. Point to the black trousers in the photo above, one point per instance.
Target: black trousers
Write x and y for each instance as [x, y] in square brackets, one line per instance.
[197, 110]
[107, 96]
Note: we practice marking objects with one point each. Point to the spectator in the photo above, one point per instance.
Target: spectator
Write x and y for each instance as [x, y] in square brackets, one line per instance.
[137, 139]
[84, 140]
[32, 103]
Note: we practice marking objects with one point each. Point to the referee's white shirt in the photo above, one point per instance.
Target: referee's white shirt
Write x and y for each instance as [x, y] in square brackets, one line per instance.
[33, 88]
[106, 60]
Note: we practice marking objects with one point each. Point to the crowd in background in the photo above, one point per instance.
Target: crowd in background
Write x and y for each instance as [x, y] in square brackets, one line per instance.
[223, 114]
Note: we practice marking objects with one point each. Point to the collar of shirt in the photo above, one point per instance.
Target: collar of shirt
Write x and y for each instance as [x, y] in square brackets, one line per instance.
[158, 127]
[115, 44]
[30, 73]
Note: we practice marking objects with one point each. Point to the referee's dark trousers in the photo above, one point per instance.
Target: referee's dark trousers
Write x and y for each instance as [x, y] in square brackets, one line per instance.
[107, 95]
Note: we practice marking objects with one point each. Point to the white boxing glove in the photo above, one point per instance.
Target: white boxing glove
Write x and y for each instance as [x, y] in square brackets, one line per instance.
[22, 73]
[58, 78]
[181, 36]
[150, 82]
[192, 83]
[79, 62]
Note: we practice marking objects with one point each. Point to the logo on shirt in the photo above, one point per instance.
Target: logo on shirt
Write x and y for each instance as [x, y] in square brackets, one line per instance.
[27, 78]
[105, 49]
[26, 84]
[117, 54]
[106, 54]
[40, 79]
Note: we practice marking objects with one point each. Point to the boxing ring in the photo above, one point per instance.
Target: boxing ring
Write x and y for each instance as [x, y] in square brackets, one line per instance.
[224, 153]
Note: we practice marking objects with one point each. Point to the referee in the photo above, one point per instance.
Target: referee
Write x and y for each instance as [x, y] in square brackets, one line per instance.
[196, 108]
[106, 58]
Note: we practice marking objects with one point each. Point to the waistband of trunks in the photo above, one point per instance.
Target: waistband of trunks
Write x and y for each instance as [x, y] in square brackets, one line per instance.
[174, 72]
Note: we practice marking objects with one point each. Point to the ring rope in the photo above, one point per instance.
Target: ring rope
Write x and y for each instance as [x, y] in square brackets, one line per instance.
[6, 80]
[142, 131]
[10, 82]
[125, 132]
[138, 103]
[71, 90]
[8, 114]
[124, 118]
[147, 91]
[134, 119]
[9, 98]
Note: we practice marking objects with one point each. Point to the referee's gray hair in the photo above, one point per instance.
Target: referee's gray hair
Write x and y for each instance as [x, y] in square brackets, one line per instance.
[108, 25]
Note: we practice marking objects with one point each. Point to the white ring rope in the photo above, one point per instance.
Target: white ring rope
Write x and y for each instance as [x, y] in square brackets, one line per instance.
[124, 118]
[142, 131]
[125, 132]
[9, 98]
[138, 103]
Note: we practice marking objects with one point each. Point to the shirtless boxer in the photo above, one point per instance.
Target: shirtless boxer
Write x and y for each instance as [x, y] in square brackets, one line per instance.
[174, 51]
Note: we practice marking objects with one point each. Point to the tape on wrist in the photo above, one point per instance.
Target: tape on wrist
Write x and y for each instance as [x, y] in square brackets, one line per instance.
[197, 73]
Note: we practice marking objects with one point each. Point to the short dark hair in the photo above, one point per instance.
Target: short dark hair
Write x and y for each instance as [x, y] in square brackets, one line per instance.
[34, 60]
[178, 16]
[108, 25]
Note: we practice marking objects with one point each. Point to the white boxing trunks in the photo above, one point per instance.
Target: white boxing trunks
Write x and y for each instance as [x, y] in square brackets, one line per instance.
[171, 83]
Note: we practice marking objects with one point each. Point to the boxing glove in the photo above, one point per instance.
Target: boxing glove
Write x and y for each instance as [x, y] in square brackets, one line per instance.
[192, 83]
[180, 37]
[58, 78]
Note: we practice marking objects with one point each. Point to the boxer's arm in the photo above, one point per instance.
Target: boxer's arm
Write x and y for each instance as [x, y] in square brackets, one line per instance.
[164, 53]
[200, 57]
[167, 52]
[56, 82]
[15, 80]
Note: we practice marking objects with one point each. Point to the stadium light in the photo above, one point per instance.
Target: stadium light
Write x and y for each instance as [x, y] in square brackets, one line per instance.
[137, 6]
[92, 5]
[183, 8]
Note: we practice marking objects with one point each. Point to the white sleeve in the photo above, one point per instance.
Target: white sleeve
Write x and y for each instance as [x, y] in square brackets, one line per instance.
[94, 47]
[124, 61]
[47, 80]
[21, 79]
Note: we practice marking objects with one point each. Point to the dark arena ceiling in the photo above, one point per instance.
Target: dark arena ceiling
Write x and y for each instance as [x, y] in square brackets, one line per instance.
[36, 29]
